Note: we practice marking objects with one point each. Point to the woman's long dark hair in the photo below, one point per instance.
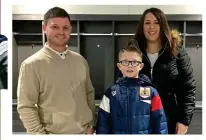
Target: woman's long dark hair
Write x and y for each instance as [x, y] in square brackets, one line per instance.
[172, 36]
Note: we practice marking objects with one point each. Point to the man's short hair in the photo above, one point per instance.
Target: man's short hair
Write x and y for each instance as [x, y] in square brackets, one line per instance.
[56, 12]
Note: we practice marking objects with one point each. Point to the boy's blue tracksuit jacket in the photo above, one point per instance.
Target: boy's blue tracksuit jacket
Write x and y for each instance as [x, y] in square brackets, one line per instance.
[131, 106]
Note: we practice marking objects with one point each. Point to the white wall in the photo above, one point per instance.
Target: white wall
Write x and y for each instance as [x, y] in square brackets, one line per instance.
[15, 71]
[168, 9]
[108, 9]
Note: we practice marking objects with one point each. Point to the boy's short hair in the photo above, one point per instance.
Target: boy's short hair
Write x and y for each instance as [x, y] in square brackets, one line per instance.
[56, 12]
[132, 46]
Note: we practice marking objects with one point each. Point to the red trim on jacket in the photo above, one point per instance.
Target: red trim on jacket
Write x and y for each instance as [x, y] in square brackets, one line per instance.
[156, 103]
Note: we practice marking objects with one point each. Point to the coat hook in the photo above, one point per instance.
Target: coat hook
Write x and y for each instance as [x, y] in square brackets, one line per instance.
[197, 47]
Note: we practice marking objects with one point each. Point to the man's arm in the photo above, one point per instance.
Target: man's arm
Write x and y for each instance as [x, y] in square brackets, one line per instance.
[28, 94]
[90, 94]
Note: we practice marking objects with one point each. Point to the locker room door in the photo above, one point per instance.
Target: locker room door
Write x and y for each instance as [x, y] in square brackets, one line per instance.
[97, 51]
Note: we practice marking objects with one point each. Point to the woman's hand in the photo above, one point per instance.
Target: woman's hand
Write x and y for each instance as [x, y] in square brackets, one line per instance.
[181, 128]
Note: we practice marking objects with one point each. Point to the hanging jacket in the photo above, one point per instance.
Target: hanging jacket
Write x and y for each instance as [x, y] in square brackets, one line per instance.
[3, 62]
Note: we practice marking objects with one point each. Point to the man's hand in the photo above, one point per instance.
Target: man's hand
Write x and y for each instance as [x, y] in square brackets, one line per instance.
[181, 128]
[90, 130]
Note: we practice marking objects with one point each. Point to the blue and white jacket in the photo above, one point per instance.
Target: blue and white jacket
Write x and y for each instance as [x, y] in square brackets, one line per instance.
[131, 106]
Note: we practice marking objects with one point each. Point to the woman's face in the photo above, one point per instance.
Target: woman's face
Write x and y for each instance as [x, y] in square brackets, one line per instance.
[151, 28]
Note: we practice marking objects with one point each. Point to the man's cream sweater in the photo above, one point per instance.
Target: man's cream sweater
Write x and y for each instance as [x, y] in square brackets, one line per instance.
[55, 95]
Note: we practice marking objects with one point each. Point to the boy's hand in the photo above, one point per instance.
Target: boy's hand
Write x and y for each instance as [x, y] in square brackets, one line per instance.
[181, 128]
[90, 130]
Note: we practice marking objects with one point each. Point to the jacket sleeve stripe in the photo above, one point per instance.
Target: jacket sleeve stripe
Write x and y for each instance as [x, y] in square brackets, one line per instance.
[3, 47]
[105, 104]
[156, 103]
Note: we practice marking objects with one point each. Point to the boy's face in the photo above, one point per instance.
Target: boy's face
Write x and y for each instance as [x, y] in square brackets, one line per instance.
[130, 64]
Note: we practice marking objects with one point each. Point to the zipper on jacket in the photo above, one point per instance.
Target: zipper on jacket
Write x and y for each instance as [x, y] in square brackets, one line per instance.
[151, 69]
[151, 74]
[128, 113]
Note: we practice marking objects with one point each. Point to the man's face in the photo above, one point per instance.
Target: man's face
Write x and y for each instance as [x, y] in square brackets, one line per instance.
[58, 31]
[130, 64]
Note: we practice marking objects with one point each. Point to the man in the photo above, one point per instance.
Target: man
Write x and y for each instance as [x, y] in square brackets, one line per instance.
[3, 62]
[55, 94]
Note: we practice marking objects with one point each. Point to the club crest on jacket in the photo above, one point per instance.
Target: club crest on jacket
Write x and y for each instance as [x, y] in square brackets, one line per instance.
[144, 92]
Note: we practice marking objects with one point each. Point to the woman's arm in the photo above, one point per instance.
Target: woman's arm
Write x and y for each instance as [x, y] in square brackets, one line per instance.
[186, 87]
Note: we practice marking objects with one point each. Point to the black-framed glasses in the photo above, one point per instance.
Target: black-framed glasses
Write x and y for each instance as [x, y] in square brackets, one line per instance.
[133, 63]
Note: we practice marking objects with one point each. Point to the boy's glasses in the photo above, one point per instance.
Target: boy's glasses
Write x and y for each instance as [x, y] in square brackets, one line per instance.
[133, 63]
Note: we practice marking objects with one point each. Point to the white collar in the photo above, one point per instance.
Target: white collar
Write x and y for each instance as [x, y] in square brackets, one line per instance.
[62, 55]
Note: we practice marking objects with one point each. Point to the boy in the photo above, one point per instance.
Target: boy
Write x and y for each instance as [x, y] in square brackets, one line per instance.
[132, 105]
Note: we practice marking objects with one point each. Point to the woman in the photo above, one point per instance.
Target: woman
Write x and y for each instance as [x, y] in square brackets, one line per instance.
[169, 68]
